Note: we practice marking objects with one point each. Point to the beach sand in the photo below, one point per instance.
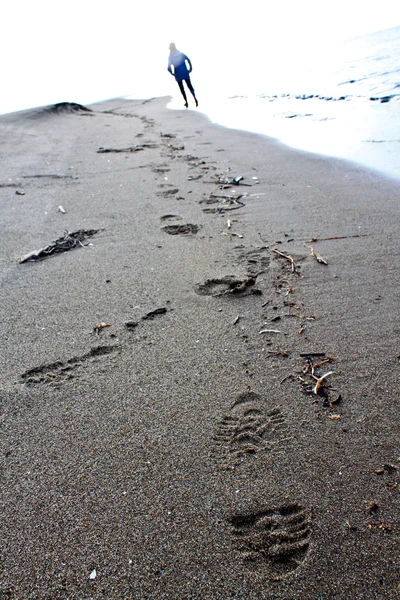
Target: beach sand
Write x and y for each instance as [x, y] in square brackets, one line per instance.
[181, 452]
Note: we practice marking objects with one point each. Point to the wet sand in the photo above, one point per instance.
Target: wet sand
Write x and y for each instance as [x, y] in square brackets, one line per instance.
[193, 448]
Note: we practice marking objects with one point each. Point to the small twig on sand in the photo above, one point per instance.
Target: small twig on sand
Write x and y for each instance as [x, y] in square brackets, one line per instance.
[98, 328]
[283, 353]
[291, 376]
[319, 383]
[380, 525]
[336, 237]
[226, 197]
[269, 331]
[287, 256]
[317, 256]
[309, 367]
[319, 364]
[232, 234]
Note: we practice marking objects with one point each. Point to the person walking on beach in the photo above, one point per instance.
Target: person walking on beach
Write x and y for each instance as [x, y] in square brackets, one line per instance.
[178, 67]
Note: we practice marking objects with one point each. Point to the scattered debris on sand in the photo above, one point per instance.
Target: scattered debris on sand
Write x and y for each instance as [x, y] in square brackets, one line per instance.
[226, 182]
[67, 242]
[225, 203]
[313, 380]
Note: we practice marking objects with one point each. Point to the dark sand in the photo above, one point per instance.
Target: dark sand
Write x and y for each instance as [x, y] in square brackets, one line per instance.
[182, 457]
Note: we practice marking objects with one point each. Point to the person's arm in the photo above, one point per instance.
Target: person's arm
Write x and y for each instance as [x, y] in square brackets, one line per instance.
[190, 64]
[170, 67]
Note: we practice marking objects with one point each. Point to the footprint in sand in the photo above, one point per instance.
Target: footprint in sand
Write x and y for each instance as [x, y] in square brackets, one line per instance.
[272, 540]
[186, 229]
[168, 193]
[60, 371]
[229, 284]
[160, 170]
[247, 430]
[170, 217]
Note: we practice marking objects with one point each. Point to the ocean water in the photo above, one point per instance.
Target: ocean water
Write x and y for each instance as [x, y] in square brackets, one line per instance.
[342, 100]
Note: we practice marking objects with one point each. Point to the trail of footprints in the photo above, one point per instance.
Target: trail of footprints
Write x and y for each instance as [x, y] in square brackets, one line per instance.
[273, 540]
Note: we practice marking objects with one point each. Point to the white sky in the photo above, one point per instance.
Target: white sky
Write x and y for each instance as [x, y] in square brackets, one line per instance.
[86, 50]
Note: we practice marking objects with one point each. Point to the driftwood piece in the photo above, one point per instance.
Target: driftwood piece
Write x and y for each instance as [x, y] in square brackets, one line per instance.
[319, 383]
[232, 234]
[337, 237]
[67, 242]
[317, 256]
[287, 257]
[269, 331]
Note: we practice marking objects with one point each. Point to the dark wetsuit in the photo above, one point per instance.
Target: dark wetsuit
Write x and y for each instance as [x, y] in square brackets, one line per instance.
[177, 66]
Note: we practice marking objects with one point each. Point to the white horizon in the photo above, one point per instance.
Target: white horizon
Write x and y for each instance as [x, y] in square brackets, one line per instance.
[84, 53]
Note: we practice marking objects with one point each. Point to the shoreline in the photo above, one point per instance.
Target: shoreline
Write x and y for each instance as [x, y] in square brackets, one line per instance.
[316, 126]
[180, 450]
[366, 154]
